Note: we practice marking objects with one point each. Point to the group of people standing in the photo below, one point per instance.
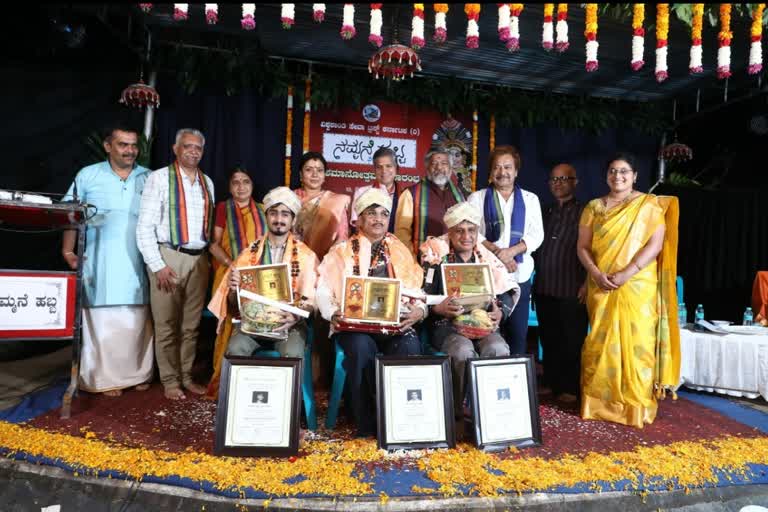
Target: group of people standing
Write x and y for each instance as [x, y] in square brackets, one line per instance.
[156, 229]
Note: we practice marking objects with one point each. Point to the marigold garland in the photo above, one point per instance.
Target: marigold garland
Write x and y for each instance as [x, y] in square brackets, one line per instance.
[756, 38]
[561, 28]
[473, 29]
[307, 114]
[441, 29]
[376, 22]
[473, 167]
[318, 12]
[417, 27]
[513, 43]
[288, 133]
[180, 12]
[287, 15]
[212, 13]
[697, 21]
[724, 40]
[145, 7]
[348, 23]
[662, 32]
[492, 133]
[547, 30]
[590, 32]
[248, 21]
[638, 36]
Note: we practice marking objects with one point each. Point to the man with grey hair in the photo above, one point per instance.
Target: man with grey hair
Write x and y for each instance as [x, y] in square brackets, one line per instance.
[421, 207]
[173, 231]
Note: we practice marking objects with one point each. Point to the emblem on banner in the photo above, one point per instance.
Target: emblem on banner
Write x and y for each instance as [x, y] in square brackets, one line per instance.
[371, 113]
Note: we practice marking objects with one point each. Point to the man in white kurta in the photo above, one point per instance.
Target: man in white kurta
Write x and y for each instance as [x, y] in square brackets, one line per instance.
[117, 329]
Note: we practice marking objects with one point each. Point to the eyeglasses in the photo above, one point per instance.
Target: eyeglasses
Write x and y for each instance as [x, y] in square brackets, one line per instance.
[622, 172]
[561, 179]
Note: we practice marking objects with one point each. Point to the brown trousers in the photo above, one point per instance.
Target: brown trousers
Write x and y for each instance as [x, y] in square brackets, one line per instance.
[177, 316]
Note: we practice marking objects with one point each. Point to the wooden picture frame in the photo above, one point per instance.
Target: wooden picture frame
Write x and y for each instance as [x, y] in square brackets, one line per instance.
[259, 407]
[371, 300]
[503, 402]
[414, 403]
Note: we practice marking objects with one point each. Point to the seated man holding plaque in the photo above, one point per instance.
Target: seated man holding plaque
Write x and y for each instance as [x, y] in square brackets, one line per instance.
[277, 275]
[369, 288]
[471, 281]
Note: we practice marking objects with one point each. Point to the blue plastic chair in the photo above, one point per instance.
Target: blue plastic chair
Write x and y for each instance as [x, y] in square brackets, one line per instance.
[680, 289]
[533, 320]
[337, 386]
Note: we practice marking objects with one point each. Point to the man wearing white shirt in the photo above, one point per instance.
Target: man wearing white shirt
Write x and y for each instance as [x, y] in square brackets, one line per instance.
[513, 231]
[385, 167]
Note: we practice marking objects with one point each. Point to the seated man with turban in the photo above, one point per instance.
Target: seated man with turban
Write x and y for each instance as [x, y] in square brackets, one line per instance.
[278, 246]
[376, 253]
[461, 245]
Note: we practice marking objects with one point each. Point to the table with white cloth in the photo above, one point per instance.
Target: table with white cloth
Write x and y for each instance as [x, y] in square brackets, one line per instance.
[731, 364]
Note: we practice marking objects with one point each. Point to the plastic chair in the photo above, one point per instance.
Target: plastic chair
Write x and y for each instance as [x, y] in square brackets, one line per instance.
[307, 391]
[533, 320]
[680, 289]
[337, 386]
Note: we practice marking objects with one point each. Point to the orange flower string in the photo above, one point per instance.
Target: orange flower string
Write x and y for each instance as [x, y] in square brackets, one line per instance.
[591, 34]
[662, 32]
[697, 21]
[441, 30]
[638, 36]
[492, 133]
[513, 43]
[417, 27]
[307, 113]
[474, 149]
[756, 38]
[561, 28]
[288, 132]
[724, 40]
[473, 29]
[547, 31]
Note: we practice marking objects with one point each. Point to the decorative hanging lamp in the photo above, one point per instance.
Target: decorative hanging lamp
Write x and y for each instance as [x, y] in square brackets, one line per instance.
[677, 151]
[141, 95]
[394, 61]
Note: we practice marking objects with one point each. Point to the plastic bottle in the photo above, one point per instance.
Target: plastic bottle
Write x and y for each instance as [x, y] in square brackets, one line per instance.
[682, 314]
[748, 317]
[699, 317]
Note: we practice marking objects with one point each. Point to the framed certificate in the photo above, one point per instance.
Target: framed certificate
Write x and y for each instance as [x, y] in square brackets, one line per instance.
[503, 401]
[414, 402]
[272, 282]
[371, 300]
[471, 281]
[259, 406]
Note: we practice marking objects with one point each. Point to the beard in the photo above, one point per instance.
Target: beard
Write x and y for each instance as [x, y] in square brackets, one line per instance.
[278, 229]
[440, 180]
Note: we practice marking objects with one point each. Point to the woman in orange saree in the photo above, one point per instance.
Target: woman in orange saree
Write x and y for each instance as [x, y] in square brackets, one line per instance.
[628, 245]
[239, 222]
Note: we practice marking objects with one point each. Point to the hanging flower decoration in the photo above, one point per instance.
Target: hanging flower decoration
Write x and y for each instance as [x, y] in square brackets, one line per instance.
[561, 28]
[140, 96]
[662, 32]
[394, 61]
[756, 38]
[441, 29]
[417, 27]
[288, 132]
[180, 12]
[724, 40]
[513, 43]
[248, 21]
[473, 29]
[348, 24]
[287, 15]
[145, 7]
[638, 36]
[307, 114]
[548, 30]
[318, 12]
[473, 167]
[376, 22]
[492, 133]
[504, 22]
[212, 13]
[591, 34]
[695, 63]
[676, 152]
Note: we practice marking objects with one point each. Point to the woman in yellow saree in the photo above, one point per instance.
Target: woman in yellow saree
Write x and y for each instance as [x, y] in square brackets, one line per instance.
[628, 245]
[239, 222]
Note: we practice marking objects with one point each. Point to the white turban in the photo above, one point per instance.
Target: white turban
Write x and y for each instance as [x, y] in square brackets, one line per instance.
[461, 212]
[371, 197]
[285, 196]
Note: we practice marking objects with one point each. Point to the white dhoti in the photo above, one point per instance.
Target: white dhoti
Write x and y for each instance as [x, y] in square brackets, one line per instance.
[117, 348]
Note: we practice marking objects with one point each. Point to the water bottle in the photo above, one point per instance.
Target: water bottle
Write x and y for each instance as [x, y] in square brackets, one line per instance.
[699, 316]
[682, 314]
[748, 317]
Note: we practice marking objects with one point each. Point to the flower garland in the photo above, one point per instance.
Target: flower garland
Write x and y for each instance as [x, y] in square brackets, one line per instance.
[662, 32]
[287, 15]
[288, 132]
[248, 22]
[417, 27]
[638, 36]
[591, 34]
[212, 13]
[513, 43]
[348, 24]
[376, 22]
[473, 167]
[473, 30]
[724, 39]
[318, 12]
[492, 133]
[561, 28]
[697, 20]
[441, 29]
[548, 30]
[307, 114]
[145, 7]
[180, 12]
[756, 37]
[382, 254]
[504, 22]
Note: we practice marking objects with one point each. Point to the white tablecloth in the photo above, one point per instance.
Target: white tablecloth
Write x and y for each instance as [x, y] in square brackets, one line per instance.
[732, 364]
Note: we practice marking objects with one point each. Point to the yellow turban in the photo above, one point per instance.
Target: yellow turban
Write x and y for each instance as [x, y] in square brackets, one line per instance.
[285, 196]
[371, 197]
[461, 212]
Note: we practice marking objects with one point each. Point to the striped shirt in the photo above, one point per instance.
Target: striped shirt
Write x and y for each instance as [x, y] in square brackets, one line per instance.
[559, 272]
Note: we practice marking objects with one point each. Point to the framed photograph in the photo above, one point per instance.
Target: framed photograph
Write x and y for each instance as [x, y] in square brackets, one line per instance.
[371, 300]
[414, 402]
[503, 401]
[259, 406]
[471, 281]
[272, 282]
